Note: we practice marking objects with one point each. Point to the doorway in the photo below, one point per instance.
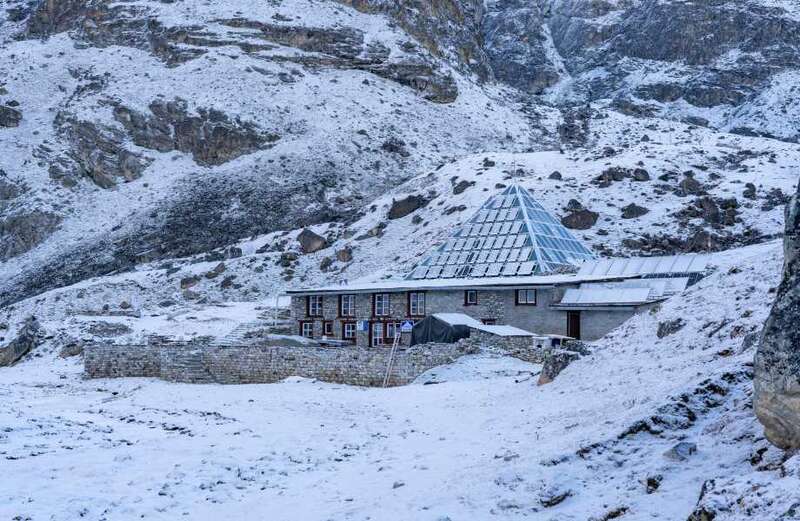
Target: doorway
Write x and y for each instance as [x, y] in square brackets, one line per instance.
[574, 324]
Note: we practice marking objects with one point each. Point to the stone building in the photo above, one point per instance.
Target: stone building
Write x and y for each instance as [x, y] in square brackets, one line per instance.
[510, 263]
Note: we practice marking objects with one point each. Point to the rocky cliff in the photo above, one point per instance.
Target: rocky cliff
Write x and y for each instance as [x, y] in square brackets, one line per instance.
[777, 363]
[146, 131]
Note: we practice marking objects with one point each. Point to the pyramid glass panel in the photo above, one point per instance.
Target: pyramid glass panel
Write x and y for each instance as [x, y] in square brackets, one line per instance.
[510, 235]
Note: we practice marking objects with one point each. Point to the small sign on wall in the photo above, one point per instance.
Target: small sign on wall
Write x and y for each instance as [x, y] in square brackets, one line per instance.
[406, 326]
[362, 325]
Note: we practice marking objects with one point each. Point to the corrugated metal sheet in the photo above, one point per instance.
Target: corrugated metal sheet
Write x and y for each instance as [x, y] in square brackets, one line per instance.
[636, 266]
[606, 296]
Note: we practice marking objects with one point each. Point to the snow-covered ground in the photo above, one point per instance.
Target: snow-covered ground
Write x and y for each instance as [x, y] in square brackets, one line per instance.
[476, 440]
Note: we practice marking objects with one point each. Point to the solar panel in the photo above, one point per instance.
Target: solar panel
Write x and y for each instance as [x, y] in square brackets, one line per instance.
[509, 225]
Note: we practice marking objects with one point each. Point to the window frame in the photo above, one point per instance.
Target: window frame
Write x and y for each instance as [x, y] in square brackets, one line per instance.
[326, 326]
[411, 297]
[349, 296]
[526, 301]
[375, 304]
[355, 331]
[303, 324]
[466, 297]
[378, 341]
[308, 305]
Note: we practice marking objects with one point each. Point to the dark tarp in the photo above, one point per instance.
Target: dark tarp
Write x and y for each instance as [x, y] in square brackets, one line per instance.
[432, 329]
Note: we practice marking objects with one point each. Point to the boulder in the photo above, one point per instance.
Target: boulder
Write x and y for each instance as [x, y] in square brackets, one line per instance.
[690, 185]
[9, 117]
[556, 360]
[777, 362]
[633, 211]
[345, 254]
[461, 186]
[402, 207]
[681, 451]
[310, 241]
[582, 219]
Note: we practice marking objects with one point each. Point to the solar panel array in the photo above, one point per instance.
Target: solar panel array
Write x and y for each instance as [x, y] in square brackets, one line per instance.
[642, 266]
[510, 235]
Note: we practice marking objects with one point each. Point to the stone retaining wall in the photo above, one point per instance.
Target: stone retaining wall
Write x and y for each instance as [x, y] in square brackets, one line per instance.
[256, 364]
[517, 346]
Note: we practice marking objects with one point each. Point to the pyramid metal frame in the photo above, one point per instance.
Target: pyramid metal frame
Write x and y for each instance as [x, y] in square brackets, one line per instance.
[510, 235]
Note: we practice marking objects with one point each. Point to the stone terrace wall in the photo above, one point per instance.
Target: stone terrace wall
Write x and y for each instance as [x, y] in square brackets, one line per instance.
[517, 346]
[255, 364]
[110, 361]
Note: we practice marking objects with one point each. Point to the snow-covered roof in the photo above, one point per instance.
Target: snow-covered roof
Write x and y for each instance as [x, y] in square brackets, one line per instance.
[623, 293]
[510, 235]
[460, 283]
[460, 319]
[637, 266]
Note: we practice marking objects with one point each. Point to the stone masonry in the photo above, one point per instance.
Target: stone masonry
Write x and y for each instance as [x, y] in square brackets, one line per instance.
[497, 305]
[256, 364]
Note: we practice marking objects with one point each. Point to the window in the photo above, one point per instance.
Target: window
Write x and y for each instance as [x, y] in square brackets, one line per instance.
[392, 329]
[376, 338]
[314, 305]
[327, 328]
[349, 331]
[347, 305]
[489, 321]
[380, 305]
[307, 329]
[471, 297]
[526, 297]
[416, 304]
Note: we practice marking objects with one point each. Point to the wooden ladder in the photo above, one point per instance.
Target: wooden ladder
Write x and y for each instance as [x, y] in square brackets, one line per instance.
[395, 343]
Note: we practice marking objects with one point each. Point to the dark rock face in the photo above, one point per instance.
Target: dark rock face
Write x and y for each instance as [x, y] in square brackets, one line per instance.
[99, 153]
[9, 117]
[23, 231]
[404, 207]
[210, 136]
[777, 362]
[310, 241]
[26, 340]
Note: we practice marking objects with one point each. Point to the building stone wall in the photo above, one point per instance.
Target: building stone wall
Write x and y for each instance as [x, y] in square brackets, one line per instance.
[257, 364]
[595, 324]
[498, 305]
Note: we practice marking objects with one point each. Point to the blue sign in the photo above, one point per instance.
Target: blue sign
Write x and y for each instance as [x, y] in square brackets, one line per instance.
[406, 326]
[362, 325]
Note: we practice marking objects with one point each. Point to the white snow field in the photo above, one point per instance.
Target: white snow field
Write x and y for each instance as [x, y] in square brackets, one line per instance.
[475, 440]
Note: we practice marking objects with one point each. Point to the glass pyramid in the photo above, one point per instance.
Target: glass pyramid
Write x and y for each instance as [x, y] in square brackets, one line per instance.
[510, 235]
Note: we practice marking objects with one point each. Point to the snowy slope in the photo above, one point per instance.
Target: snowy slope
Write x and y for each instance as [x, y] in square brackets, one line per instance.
[302, 449]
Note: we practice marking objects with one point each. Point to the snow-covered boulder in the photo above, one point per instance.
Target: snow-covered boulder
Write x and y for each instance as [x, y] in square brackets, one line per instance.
[777, 363]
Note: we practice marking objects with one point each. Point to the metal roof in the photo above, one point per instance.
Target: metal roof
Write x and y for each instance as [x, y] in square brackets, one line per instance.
[623, 293]
[391, 285]
[640, 266]
[510, 235]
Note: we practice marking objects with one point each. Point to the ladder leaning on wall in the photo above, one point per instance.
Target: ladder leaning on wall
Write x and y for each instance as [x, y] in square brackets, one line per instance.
[395, 344]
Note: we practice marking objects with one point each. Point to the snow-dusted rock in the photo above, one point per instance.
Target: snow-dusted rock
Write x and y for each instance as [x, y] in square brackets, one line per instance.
[777, 363]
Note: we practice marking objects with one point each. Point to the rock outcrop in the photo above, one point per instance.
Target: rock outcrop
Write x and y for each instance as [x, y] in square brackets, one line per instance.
[27, 339]
[777, 362]
[210, 136]
[22, 231]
